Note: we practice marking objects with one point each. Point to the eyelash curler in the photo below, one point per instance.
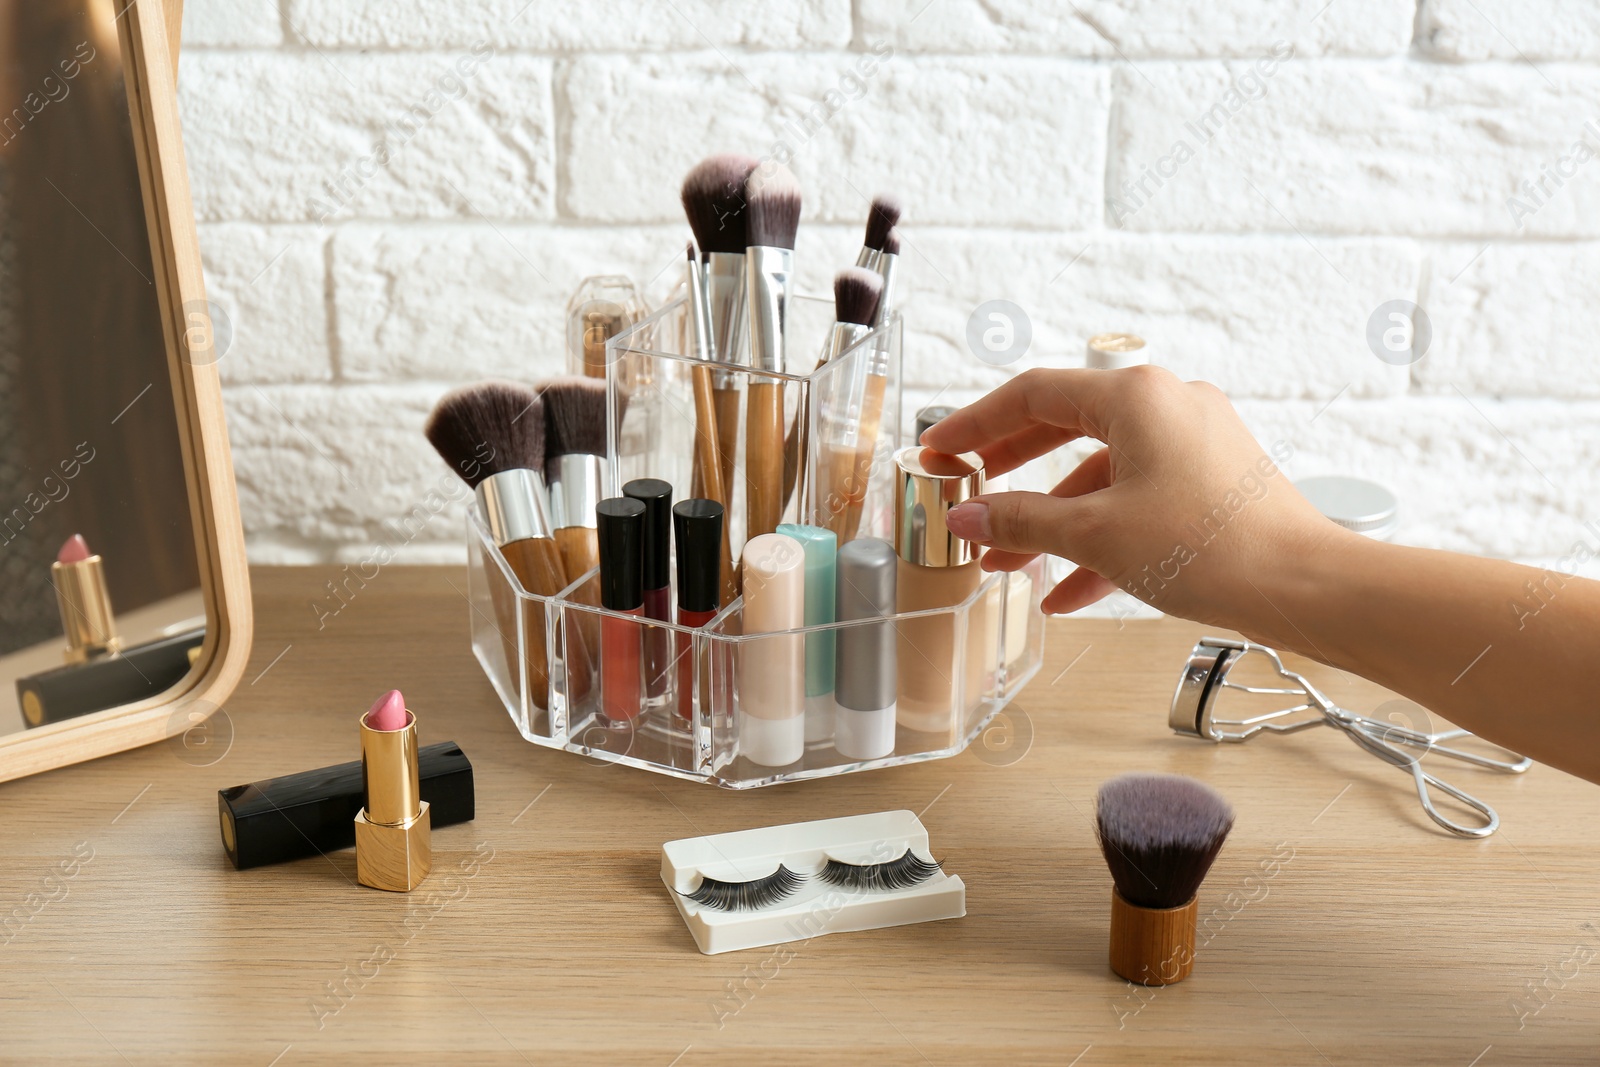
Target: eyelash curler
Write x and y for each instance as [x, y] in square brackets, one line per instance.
[1206, 675]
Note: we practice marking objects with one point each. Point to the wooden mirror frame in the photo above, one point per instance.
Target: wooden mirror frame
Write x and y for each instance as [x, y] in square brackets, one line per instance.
[150, 54]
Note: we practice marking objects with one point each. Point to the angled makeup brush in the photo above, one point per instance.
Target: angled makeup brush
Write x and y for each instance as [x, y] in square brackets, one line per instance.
[772, 211]
[1159, 834]
[882, 216]
[887, 265]
[877, 380]
[492, 435]
[713, 201]
[856, 292]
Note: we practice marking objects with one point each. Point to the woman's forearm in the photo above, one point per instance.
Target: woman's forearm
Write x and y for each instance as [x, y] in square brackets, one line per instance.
[1506, 651]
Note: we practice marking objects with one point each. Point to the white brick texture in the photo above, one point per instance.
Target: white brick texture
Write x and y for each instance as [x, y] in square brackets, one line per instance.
[1510, 29]
[562, 25]
[399, 196]
[1139, 29]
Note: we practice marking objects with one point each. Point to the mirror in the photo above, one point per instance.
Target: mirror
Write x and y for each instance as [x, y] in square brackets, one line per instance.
[119, 544]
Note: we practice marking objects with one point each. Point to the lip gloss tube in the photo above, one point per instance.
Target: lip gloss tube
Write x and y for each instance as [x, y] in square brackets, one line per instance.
[772, 696]
[867, 679]
[822, 549]
[697, 527]
[656, 496]
[621, 526]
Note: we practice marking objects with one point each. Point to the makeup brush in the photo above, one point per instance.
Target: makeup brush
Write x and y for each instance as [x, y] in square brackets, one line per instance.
[713, 201]
[876, 382]
[1159, 834]
[493, 436]
[887, 261]
[856, 291]
[575, 441]
[882, 216]
[708, 481]
[772, 213]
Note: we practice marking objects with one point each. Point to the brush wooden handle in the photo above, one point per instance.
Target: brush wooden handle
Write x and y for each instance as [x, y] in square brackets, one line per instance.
[763, 461]
[860, 478]
[707, 459]
[726, 404]
[580, 554]
[536, 561]
[708, 480]
[1152, 946]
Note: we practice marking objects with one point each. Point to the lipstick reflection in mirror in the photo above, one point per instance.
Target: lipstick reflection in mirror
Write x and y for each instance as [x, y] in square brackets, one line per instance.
[86, 617]
[74, 550]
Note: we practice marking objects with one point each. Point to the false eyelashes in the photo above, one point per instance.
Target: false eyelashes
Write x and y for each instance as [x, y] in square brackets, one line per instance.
[747, 896]
[903, 873]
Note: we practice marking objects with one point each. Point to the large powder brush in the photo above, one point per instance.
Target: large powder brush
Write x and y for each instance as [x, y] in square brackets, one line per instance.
[1160, 834]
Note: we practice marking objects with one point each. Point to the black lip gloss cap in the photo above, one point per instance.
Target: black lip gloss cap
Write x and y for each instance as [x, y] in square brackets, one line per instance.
[697, 526]
[313, 812]
[656, 496]
[620, 525]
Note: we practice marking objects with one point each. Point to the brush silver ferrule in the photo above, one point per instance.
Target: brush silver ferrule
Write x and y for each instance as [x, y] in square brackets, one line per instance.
[725, 299]
[699, 311]
[867, 258]
[511, 504]
[769, 273]
[886, 266]
[574, 490]
[844, 335]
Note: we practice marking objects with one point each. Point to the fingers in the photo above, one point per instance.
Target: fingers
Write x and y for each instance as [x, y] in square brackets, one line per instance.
[1024, 523]
[1091, 475]
[1077, 590]
[1033, 442]
[1077, 401]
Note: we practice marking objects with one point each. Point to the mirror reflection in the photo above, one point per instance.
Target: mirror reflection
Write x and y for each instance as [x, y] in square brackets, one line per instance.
[101, 604]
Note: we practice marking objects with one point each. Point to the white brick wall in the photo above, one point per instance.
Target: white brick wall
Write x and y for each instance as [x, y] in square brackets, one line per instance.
[1241, 182]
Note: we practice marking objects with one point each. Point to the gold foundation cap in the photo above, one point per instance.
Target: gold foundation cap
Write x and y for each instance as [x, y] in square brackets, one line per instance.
[929, 484]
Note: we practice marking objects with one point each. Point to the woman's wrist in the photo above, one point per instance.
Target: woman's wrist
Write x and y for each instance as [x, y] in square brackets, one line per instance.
[1297, 600]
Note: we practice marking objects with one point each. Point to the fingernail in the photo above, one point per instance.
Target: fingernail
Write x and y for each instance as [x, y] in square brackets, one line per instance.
[970, 521]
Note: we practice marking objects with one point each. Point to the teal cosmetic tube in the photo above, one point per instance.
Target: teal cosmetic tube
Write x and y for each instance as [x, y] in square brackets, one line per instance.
[822, 551]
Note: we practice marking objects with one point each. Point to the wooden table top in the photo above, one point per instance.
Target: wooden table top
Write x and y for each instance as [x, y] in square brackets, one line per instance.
[1378, 940]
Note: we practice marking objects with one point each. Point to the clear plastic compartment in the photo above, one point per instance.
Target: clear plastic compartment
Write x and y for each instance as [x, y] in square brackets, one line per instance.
[715, 704]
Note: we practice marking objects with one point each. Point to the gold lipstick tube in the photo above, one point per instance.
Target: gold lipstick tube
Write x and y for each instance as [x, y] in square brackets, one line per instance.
[86, 617]
[393, 850]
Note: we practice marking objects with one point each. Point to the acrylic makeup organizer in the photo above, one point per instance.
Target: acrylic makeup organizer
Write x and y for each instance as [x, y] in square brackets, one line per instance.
[997, 632]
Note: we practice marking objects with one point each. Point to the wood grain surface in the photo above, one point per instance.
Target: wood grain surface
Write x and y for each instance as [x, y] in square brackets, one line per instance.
[544, 934]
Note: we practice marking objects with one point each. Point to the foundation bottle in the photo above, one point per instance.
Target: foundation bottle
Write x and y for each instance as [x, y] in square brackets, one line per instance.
[943, 658]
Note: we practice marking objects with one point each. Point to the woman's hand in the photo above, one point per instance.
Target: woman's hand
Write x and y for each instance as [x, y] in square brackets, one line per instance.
[1182, 508]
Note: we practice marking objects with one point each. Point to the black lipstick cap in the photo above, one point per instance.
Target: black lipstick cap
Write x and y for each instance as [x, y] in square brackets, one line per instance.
[313, 812]
[697, 526]
[656, 496]
[82, 688]
[620, 525]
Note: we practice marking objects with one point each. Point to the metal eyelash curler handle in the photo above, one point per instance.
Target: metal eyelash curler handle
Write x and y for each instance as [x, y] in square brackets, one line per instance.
[1205, 676]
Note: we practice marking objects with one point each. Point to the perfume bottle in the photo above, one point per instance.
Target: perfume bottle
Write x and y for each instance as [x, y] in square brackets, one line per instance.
[603, 307]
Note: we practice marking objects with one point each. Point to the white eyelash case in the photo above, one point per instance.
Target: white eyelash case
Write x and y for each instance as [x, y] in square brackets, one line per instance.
[778, 884]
